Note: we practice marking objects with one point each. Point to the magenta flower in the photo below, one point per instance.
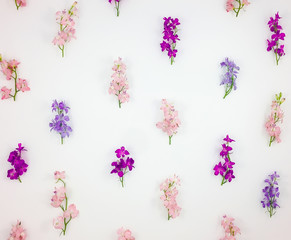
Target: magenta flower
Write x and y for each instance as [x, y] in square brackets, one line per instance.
[9, 69]
[230, 230]
[225, 169]
[20, 3]
[236, 5]
[276, 117]
[171, 122]
[67, 27]
[17, 232]
[60, 200]
[116, 5]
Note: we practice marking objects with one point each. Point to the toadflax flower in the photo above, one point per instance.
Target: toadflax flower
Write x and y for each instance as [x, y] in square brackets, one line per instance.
[67, 27]
[124, 234]
[61, 120]
[171, 122]
[271, 193]
[230, 230]
[18, 163]
[229, 78]
[17, 232]
[277, 35]
[60, 200]
[123, 164]
[170, 37]
[116, 2]
[236, 5]
[170, 192]
[119, 83]
[276, 117]
[225, 168]
[20, 3]
[9, 69]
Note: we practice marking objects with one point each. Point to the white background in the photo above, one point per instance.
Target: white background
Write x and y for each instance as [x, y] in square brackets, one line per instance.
[208, 34]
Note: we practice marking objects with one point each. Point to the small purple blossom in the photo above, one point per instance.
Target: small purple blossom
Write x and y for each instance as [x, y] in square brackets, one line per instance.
[277, 35]
[229, 78]
[170, 37]
[19, 165]
[225, 169]
[60, 122]
[271, 193]
[123, 164]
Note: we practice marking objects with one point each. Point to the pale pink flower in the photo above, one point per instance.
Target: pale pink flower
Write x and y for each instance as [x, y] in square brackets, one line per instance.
[21, 3]
[124, 234]
[17, 232]
[5, 93]
[60, 175]
[71, 212]
[246, 2]
[58, 197]
[230, 229]
[21, 85]
[229, 5]
[58, 222]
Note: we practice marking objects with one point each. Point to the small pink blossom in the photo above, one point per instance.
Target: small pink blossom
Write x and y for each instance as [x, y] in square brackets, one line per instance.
[230, 229]
[71, 212]
[229, 5]
[124, 234]
[5, 93]
[21, 85]
[58, 222]
[60, 175]
[17, 232]
[20, 3]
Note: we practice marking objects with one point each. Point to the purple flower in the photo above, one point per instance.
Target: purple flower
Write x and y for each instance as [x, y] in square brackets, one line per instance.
[219, 169]
[60, 122]
[229, 78]
[122, 166]
[271, 193]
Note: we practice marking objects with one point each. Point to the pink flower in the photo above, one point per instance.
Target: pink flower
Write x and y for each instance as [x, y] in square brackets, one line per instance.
[124, 234]
[71, 212]
[229, 5]
[21, 85]
[58, 222]
[230, 229]
[60, 175]
[21, 3]
[17, 232]
[245, 2]
[58, 197]
[5, 93]
[236, 5]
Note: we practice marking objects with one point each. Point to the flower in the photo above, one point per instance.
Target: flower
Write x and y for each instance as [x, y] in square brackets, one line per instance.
[9, 69]
[170, 37]
[67, 27]
[271, 193]
[17, 232]
[236, 5]
[116, 5]
[274, 43]
[58, 222]
[170, 192]
[171, 122]
[18, 163]
[122, 165]
[119, 83]
[229, 78]
[60, 122]
[20, 3]
[225, 168]
[275, 117]
[72, 212]
[60, 175]
[230, 230]
[124, 234]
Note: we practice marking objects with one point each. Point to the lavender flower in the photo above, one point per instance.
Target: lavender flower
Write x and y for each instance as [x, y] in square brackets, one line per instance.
[229, 78]
[123, 165]
[20, 166]
[271, 193]
[170, 37]
[277, 35]
[60, 122]
[225, 169]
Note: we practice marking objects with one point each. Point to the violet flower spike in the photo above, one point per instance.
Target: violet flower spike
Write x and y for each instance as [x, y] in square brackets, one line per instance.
[123, 164]
[271, 193]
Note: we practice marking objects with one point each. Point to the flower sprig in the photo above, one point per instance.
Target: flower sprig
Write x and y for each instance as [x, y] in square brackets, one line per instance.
[17, 232]
[225, 168]
[271, 193]
[125, 234]
[60, 200]
[230, 230]
[276, 117]
[236, 5]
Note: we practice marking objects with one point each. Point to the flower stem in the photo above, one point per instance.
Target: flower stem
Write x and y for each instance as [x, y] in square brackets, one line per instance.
[272, 139]
[172, 60]
[119, 103]
[17, 6]
[170, 139]
[117, 8]
[121, 180]
[19, 179]
[62, 140]
[169, 216]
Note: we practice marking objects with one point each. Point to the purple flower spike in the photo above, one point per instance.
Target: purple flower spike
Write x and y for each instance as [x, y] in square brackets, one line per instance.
[122, 166]
[271, 193]
[225, 169]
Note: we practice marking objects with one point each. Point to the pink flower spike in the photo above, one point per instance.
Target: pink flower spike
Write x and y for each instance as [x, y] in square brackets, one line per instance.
[60, 175]
[230, 230]
[124, 234]
[17, 232]
[5, 93]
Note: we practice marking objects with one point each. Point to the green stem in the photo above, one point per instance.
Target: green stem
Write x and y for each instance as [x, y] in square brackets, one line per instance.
[19, 179]
[17, 6]
[121, 180]
[228, 90]
[119, 103]
[117, 8]
[62, 140]
[172, 60]
[169, 217]
[170, 139]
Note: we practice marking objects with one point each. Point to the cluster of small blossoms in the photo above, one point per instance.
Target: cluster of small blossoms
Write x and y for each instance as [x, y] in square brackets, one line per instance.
[17, 232]
[229, 78]
[9, 69]
[116, 5]
[60, 200]
[277, 35]
[236, 5]
[119, 83]
[20, 3]
[124, 234]
[170, 37]
[171, 122]
[60, 122]
[225, 169]
[275, 117]
[271, 193]
[67, 27]
[123, 164]
[170, 192]
[229, 228]
[18, 163]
